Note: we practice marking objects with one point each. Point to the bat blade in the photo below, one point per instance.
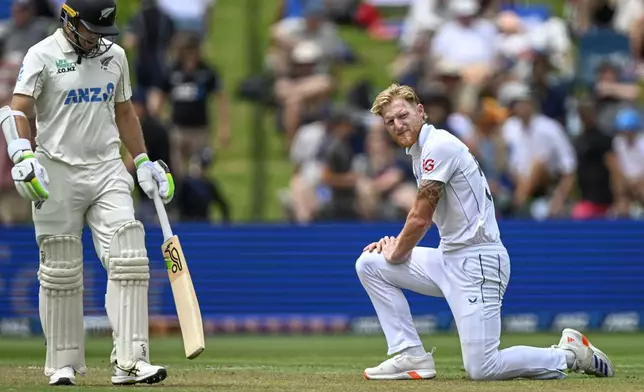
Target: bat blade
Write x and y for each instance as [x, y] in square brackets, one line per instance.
[185, 298]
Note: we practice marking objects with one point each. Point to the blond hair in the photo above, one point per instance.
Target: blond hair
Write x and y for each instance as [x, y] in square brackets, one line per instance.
[390, 94]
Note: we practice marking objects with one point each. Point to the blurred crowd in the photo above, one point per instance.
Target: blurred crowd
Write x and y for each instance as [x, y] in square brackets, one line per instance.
[549, 104]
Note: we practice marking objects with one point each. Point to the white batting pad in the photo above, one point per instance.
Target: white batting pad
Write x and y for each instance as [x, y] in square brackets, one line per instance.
[61, 302]
[126, 300]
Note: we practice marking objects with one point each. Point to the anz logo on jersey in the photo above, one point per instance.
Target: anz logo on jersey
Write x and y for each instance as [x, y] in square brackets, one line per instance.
[90, 94]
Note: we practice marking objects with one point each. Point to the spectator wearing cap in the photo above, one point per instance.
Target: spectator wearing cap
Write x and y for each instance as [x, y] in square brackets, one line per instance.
[491, 151]
[314, 27]
[548, 90]
[469, 43]
[189, 86]
[304, 92]
[338, 173]
[515, 47]
[542, 160]
[386, 187]
[629, 148]
[440, 113]
[325, 183]
[598, 173]
[25, 28]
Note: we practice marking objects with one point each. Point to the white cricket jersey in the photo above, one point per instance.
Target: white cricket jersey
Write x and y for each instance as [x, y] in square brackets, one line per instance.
[74, 108]
[465, 213]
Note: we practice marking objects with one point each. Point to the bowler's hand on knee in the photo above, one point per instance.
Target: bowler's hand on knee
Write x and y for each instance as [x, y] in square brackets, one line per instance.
[154, 177]
[377, 246]
[388, 250]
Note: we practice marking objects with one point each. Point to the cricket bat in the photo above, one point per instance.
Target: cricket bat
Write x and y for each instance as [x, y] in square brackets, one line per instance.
[183, 291]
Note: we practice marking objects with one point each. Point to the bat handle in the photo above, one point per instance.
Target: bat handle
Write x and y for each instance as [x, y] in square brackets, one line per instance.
[163, 217]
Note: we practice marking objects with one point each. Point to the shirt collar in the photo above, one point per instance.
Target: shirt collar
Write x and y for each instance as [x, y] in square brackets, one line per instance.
[62, 41]
[416, 149]
[529, 127]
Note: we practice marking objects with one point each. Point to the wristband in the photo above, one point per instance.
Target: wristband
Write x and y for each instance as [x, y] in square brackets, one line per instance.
[140, 159]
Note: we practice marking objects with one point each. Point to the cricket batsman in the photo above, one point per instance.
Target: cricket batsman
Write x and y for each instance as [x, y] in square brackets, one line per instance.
[470, 268]
[79, 86]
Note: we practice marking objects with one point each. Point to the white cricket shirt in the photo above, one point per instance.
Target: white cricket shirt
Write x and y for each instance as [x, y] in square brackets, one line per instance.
[75, 101]
[465, 213]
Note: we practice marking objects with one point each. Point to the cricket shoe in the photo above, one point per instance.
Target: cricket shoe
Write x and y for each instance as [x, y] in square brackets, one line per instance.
[588, 358]
[63, 376]
[403, 367]
[141, 373]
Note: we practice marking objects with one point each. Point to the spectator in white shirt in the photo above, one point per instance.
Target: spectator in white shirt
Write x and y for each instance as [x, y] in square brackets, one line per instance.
[313, 27]
[467, 40]
[468, 43]
[628, 145]
[541, 155]
[423, 18]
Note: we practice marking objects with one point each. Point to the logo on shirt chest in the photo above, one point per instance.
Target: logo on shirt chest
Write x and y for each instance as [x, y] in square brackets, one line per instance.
[90, 94]
[105, 62]
[64, 66]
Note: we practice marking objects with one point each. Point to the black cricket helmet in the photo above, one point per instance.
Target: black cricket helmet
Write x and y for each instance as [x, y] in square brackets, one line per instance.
[98, 17]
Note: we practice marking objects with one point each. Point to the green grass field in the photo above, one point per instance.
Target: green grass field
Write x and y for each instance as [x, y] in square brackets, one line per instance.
[313, 363]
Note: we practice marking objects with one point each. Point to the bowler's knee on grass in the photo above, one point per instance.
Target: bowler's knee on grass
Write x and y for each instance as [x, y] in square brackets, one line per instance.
[383, 282]
[479, 327]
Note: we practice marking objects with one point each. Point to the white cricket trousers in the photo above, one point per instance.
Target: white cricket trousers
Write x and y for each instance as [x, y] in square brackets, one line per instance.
[99, 194]
[473, 281]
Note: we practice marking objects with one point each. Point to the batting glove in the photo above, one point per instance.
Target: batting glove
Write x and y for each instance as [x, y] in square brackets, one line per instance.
[154, 177]
[28, 175]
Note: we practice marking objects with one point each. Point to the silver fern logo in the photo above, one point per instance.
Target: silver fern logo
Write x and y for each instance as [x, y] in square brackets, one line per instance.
[107, 12]
[105, 62]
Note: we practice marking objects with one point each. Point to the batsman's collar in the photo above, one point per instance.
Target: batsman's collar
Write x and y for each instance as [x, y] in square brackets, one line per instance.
[61, 40]
[416, 149]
